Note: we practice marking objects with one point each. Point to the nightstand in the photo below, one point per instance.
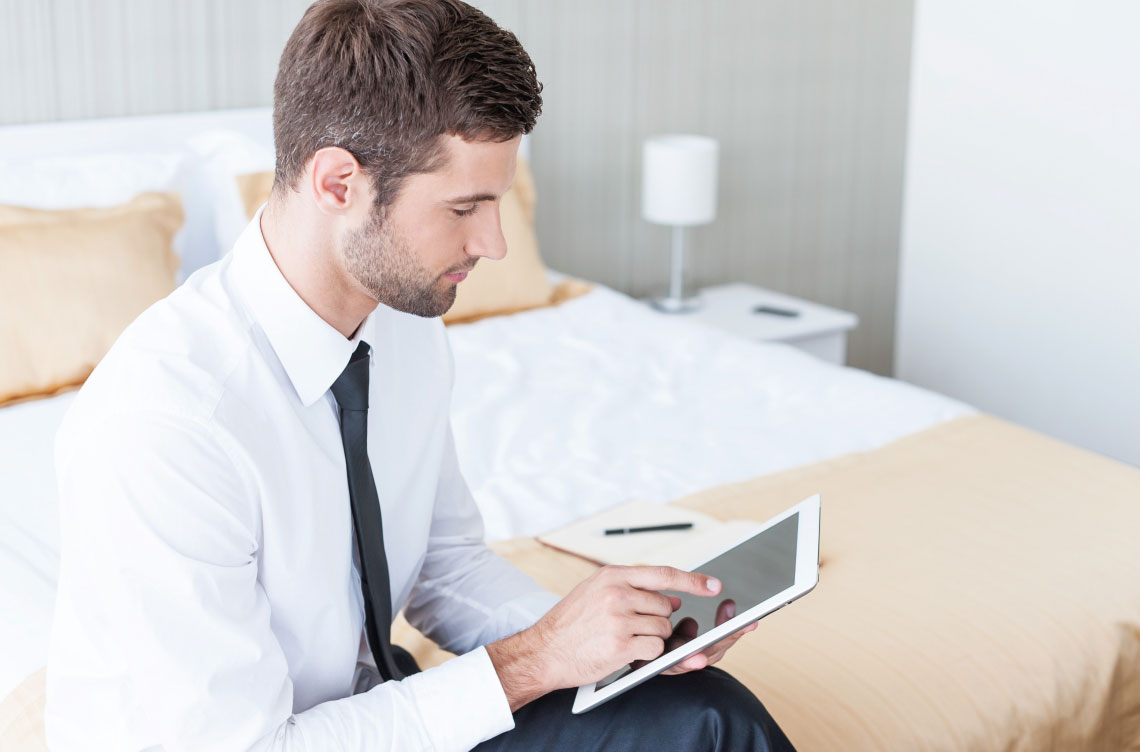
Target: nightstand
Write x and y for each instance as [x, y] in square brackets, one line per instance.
[819, 330]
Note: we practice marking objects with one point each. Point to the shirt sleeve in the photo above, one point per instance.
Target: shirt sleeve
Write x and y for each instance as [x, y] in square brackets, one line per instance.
[164, 632]
[467, 595]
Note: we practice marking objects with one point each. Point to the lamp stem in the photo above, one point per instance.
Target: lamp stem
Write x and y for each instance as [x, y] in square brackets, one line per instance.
[675, 301]
[677, 268]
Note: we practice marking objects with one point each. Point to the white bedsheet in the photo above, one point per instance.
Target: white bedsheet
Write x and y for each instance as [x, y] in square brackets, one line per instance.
[565, 411]
[29, 534]
[558, 413]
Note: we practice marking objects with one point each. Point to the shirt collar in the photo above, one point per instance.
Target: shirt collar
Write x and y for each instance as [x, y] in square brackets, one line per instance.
[312, 352]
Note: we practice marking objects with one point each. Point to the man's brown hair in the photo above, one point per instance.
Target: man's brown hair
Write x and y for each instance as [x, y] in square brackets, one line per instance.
[385, 79]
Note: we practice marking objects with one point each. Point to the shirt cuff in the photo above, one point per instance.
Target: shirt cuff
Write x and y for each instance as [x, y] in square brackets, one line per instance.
[470, 682]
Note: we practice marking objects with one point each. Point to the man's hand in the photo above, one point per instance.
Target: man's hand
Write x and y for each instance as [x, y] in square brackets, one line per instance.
[612, 618]
[687, 630]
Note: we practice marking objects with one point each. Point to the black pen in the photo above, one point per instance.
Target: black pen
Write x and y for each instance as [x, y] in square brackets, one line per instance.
[649, 529]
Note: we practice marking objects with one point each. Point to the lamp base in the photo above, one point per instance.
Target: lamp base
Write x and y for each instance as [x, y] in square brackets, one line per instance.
[687, 304]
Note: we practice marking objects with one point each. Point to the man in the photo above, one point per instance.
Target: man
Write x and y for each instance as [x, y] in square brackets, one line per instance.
[222, 586]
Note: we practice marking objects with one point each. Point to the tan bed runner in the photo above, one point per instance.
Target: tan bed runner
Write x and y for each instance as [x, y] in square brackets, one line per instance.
[979, 590]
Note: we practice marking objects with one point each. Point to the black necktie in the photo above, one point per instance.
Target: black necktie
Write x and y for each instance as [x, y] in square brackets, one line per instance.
[351, 392]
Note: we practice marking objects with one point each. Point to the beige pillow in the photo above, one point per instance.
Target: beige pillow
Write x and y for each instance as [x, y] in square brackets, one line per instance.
[254, 190]
[518, 282]
[71, 280]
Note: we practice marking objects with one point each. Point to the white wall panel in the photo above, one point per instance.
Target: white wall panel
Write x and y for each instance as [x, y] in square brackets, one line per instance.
[1021, 258]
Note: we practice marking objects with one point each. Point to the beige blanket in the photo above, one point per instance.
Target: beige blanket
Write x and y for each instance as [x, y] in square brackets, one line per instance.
[979, 590]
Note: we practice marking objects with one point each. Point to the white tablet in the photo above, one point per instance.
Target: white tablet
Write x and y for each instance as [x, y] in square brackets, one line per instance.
[767, 570]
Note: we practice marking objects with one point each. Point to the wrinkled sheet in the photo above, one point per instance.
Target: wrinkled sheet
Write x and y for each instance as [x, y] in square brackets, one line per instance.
[29, 534]
[562, 412]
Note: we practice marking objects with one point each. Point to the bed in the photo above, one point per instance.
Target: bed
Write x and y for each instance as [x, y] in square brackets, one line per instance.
[1015, 627]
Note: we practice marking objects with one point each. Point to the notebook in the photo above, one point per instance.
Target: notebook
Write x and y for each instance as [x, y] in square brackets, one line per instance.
[676, 548]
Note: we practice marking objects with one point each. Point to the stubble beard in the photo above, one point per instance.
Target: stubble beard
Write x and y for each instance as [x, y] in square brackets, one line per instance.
[384, 264]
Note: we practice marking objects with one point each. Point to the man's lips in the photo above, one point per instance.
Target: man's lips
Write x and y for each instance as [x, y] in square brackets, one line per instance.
[460, 275]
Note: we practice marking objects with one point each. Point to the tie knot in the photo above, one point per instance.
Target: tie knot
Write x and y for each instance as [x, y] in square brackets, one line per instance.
[351, 387]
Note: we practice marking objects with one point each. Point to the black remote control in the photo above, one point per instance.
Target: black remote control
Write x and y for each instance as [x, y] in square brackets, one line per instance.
[776, 311]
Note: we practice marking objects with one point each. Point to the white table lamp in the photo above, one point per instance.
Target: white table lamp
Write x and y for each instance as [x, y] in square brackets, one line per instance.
[678, 189]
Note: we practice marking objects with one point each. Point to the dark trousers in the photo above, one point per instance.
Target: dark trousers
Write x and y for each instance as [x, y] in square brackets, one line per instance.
[693, 712]
[701, 711]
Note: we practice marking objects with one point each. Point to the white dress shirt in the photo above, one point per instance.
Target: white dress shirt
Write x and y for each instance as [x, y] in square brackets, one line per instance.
[208, 597]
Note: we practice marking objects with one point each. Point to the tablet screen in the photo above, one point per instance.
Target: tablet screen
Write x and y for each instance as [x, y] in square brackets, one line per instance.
[750, 574]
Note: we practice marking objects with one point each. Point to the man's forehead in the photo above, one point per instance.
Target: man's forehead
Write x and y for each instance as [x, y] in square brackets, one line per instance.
[475, 167]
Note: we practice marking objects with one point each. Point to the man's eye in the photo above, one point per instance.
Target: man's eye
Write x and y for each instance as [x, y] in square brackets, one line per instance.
[466, 212]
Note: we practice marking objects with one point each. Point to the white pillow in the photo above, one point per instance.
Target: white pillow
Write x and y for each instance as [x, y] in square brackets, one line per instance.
[96, 180]
[222, 156]
[71, 164]
[107, 179]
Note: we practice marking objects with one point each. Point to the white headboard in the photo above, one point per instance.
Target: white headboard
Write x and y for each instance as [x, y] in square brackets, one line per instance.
[143, 133]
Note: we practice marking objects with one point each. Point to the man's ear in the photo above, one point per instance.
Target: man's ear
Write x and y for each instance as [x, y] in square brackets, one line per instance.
[337, 181]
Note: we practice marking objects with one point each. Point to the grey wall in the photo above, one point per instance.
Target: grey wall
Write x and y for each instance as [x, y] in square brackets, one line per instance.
[808, 99]
[71, 59]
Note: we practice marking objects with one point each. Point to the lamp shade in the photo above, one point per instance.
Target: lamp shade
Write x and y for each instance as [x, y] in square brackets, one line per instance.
[678, 180]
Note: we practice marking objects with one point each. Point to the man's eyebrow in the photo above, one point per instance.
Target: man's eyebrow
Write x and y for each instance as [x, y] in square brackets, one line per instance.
[472, 199]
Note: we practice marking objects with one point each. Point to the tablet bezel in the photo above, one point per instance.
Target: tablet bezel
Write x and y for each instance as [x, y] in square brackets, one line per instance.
[807, 575]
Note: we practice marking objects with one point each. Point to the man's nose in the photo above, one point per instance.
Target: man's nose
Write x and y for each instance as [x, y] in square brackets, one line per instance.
[486, 240]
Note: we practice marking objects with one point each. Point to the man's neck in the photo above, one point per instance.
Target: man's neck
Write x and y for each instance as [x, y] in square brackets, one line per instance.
[306, 258]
